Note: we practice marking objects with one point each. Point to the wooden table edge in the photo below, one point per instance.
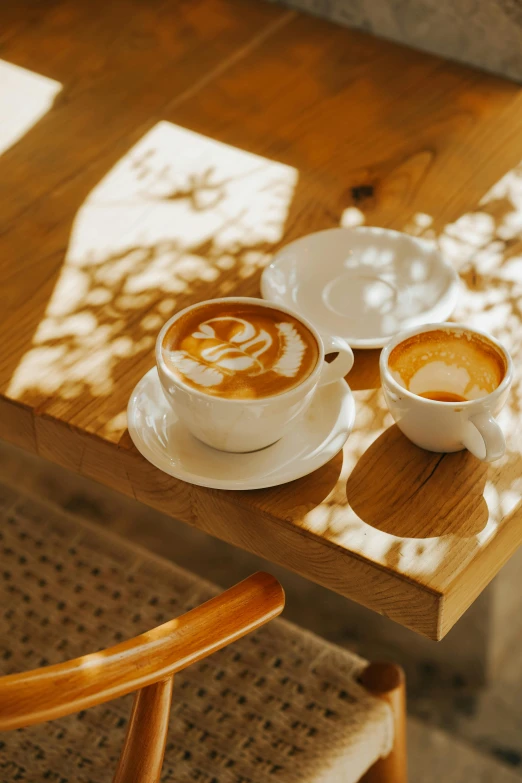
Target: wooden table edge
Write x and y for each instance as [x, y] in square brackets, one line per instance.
[435, 611]
[222, 514]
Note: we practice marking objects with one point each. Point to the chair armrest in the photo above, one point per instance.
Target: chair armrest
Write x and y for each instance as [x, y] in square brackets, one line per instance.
[53, 691]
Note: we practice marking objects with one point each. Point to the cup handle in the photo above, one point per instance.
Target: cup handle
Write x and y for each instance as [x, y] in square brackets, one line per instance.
[490, 443]
[341, 365]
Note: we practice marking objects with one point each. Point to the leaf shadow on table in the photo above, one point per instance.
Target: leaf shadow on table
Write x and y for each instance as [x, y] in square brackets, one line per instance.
[407, 492]
[136, 255]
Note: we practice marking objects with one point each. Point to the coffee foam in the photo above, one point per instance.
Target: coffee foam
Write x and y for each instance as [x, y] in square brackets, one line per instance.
[240, 350]
[461, 363]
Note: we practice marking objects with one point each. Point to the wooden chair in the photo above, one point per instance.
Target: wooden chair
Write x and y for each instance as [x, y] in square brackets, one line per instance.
[281, 714]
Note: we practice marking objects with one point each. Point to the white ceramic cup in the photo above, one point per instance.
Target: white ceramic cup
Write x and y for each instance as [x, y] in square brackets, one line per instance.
[448, 426]
[248, 425]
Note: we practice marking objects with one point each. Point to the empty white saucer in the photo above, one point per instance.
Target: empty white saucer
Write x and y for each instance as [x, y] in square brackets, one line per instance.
[363, 284]
[163, 439]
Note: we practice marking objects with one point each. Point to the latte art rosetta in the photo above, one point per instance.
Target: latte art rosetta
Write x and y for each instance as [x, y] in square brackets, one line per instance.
[246, 352]
[210, 365]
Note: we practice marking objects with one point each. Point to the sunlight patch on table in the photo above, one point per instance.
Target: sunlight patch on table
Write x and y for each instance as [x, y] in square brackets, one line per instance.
[412, 556]
[180, 217]
[25, 97]
[486, 247]
[352, 217]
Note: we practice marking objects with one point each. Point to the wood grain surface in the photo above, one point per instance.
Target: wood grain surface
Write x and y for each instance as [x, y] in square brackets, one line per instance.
[185, 143]
[141, 758]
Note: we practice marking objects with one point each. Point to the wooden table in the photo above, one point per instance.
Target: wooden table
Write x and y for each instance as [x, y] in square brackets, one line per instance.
[160, 153]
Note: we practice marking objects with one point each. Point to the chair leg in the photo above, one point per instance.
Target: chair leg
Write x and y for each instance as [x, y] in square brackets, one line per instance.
[387, 682]
[142, 754]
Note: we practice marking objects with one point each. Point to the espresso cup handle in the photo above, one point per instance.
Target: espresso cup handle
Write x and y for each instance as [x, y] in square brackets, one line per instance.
[491, 444]
[341, 365]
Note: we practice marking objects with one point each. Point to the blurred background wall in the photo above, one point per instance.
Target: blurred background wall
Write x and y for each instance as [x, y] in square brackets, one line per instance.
[483, 33]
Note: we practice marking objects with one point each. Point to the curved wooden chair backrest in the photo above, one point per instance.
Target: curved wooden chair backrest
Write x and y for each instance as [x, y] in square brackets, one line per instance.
[146, 664]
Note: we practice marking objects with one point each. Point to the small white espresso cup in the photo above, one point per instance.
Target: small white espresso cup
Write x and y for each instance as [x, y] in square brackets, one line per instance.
[240, 425]
[419, 362]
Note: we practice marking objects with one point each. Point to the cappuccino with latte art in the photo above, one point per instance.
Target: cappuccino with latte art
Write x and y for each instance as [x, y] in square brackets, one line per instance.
[239, 350]
[239, 372]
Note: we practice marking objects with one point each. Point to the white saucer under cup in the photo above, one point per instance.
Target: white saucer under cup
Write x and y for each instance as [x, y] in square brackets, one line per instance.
[362, 284]
[163, 440]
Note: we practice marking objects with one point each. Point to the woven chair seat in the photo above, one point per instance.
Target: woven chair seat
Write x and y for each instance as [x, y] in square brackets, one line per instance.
[281, 705]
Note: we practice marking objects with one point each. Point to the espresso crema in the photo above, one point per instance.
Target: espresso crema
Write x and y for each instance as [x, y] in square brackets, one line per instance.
[447, 366]
[240, 350]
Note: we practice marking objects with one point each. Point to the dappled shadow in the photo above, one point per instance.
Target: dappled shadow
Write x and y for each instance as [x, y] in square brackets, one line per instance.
[365, 284]
[110, 226]
[411, 493]
[120, 74]
[158, 233]
[417, 513]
